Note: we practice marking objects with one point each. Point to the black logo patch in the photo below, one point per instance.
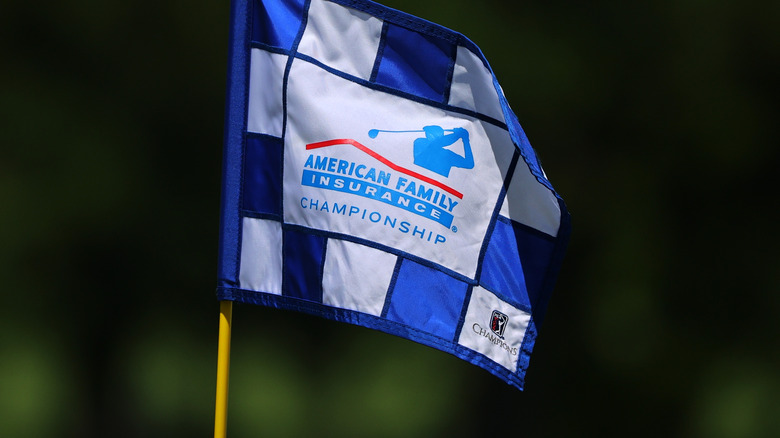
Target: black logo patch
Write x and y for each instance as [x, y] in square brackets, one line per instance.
[498, 322]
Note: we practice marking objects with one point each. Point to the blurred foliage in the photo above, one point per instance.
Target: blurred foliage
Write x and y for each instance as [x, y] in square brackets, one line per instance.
[657, 121]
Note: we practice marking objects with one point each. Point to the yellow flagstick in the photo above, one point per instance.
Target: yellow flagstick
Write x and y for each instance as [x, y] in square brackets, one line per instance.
[223, 368]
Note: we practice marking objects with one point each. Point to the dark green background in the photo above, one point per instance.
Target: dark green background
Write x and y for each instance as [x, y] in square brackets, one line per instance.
[656, 121]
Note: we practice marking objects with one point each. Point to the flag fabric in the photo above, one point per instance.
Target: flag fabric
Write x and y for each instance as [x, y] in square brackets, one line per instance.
[374, 174]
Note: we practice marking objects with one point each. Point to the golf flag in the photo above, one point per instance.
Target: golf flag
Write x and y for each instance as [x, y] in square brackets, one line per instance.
[374, 174]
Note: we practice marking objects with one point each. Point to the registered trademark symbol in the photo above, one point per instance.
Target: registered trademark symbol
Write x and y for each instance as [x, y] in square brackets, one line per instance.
[454, 229]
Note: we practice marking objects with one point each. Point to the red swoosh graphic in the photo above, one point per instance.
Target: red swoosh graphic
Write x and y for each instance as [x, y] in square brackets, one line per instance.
[385, 161]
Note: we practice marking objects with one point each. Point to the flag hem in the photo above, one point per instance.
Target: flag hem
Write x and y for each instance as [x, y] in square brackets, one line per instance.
[516, 379]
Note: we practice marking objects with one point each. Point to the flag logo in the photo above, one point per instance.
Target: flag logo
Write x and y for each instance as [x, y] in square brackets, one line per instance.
[498, 322]
[391, 183]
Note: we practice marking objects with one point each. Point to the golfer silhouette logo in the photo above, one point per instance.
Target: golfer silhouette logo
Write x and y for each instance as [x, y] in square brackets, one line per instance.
[430, 152]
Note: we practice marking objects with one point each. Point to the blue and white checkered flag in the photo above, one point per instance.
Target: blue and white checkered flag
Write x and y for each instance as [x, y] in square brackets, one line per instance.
[374, 174]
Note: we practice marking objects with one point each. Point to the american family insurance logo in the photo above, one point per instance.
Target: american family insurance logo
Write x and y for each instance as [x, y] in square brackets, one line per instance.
[384, 181]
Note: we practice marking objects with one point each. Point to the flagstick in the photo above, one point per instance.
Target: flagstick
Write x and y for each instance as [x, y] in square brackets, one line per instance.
[223, 368]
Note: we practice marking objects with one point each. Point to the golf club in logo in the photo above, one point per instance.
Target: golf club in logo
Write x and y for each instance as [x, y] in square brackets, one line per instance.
[430, 151]
[498, 322]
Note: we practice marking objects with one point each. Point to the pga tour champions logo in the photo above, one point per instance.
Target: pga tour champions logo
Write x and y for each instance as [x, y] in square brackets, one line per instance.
[495, 331]
[403, 187]
[498, 322]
